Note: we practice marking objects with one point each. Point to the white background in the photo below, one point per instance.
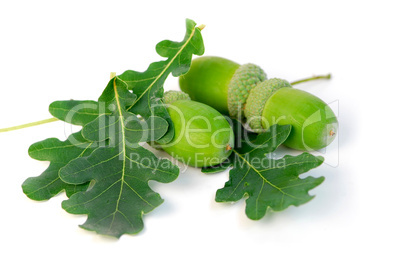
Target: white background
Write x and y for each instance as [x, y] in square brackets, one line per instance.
[57, 50]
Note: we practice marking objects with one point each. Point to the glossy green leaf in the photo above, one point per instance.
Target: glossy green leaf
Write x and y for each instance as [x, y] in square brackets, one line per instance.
[148, 85]
[268, 183]
[103, 168]
[121, 170]
[59, 153]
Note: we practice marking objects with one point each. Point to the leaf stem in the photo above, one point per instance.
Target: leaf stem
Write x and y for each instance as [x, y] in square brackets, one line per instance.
[201, 27]
[311, 78]
[27, 125]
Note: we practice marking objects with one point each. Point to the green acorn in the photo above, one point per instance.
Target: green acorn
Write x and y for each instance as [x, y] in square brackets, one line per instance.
[244, 92]
[203, 137]
[257, 99]
[314, 124]
[221, 83]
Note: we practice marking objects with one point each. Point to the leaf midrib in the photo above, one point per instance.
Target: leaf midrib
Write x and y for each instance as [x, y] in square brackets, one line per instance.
[263, 178]
[166, 68]
[124, 151]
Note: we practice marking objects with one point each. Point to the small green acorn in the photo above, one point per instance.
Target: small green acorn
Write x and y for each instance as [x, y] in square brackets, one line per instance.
[314, 124]
[245, 92]
[257, 99]
[203, 137]
[221, 83]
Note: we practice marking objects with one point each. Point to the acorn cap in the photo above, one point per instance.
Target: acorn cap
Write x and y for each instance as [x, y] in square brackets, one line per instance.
[172, 96]
[245, 78]
[257, 99]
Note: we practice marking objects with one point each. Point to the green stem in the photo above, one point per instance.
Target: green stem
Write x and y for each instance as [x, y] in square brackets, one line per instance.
[27, 125]
[201, 27]
[311, 78]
